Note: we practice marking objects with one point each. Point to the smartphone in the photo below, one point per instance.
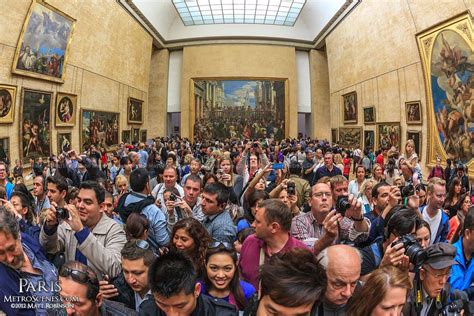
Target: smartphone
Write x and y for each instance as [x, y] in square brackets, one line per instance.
[277, 166]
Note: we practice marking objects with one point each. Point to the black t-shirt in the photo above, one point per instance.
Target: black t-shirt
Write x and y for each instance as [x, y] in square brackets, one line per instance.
[371, 257]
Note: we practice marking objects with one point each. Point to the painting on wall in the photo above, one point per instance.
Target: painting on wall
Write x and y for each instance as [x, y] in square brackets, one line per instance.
[369, 115]
[100, 129]
[239, 108]
[7, 103]
[334, 135]
[350, 137]
[5, 150]
[66, 105]
[64, 142]
[447, 56]
[143, 136]
[126, 137]
[369, 139]
[135, 111]
[44, 42]
[350, 108]
[388, 135]
[135, 135]
[416, 137]
[413, 112]
[35, 130]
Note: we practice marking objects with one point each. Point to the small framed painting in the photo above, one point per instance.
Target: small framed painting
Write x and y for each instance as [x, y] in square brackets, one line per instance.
[135, 134]
[369, 115]
[334, 135]
[143, 136]
[350, 108]
[135, 111]
[64, 142]
[7, 103]
[369, 139]
[413, 113]
[66, 105]
[416, 137]
[126, 137]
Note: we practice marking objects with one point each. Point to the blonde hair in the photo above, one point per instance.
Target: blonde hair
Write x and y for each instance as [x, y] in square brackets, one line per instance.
[365, 184]
[434, 181]
[338, 159]
[120, 179]
[410, 142]
[376, 288]
[187, 159]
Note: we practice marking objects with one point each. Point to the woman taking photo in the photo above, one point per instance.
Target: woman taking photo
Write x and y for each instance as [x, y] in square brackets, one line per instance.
[221, 278]
[384, 293]
[228, 177]
[191, 238]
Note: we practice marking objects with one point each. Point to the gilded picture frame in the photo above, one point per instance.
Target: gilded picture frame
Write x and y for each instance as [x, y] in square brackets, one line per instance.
[64, 141]
[413, 113]
[369, 115]
[135, 135]
[389, 135]
[44, 42]
[35, 128]
[416, 137]
[349, 107]
[350, 137]
[369, 139]
[7, 103]
[99, 128]
[445, 50]
[135, 111]
[5, 151]
[65, 109]
[280, 110]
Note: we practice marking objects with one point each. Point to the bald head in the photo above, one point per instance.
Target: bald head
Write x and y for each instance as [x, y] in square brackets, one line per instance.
[343, 255]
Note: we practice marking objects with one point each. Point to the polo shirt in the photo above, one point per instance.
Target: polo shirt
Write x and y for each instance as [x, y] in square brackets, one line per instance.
[325, 172]
[250, 256]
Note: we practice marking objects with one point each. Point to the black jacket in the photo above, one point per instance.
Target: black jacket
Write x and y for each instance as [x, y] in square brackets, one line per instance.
[205, 306]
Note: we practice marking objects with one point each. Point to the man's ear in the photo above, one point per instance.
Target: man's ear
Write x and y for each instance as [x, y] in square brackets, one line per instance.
[98, 299]
[422, 274]
[63, 194]
[197, 289]
[275, 227]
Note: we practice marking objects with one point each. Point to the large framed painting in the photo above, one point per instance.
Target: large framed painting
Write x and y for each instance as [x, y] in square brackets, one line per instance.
[416, 137]
[135, 135]
[7, 103]
[64, 142]
[135, 111]
[44, 42]
[334, 135]
[447, 55]
[350, 137]
[413, 112]
[66, 105]
[369, 115]
[5, 150]
[369, 139]
[246, 108]
[388, 135]
[100, 129]
[35, 128]
[349, 107]
[126, 137]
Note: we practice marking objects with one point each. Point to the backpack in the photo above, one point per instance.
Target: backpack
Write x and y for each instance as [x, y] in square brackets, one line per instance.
[136, 207]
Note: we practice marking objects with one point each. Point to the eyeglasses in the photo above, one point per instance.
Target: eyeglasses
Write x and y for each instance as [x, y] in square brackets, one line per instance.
[321, 194]
[221, 244]
[78, 276]
[142, 244]
[439, 275]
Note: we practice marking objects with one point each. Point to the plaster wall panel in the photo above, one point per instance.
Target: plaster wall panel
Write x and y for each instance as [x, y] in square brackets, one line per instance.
[427, 13]
[320, 97]
[158, 92]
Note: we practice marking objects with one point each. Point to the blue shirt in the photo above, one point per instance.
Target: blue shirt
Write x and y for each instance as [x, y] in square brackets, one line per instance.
[462, 274]
[247, 288]
[221, 227]
[142, 158]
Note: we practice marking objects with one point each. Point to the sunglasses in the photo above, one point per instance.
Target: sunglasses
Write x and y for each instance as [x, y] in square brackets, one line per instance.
[220, 244]
[78, 276]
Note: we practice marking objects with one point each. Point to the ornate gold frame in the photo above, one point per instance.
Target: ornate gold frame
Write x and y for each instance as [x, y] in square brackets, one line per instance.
[356, 104]
[377, 133]
[463, 26]
[420, 137]
[57, 141]
[373, 112]
[192, 115]
[20, 41]
[110, 148]
[342, 129]
[11, 115]
[128, 111]
[59, 96]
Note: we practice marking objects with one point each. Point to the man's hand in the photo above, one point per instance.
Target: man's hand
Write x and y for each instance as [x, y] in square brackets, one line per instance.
[72, 154]
[184, 206]
[74, 220]
[108, 290]
[331, 226]
[50, 217]
[355, 211]
[395, 256]
[394, 196]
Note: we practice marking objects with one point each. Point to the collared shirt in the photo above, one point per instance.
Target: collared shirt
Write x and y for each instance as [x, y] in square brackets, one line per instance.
[325, 172]
[44, 203]
[249, 261]
[221, 227]
[139, 300]
[434, 222]
[305, 226]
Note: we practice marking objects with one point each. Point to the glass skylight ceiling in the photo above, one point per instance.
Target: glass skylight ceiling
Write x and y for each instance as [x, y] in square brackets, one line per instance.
[274, 12]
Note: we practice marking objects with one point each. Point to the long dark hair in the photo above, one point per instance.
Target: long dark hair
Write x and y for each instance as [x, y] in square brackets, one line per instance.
[200, 237]
[234, 285]
[450, 196]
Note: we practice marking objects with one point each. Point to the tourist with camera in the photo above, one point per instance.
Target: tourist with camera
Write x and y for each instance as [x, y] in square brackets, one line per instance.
[302, 187]
[431, 291]
[392, 249]
[84, 233]
[433, 211]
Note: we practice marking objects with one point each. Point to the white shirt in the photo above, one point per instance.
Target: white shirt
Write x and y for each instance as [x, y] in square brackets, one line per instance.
[160, 188]
[434, 223]
[354, 188]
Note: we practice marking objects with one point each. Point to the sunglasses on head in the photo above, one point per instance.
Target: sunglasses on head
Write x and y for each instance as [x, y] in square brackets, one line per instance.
[78, 276]
[221, 244]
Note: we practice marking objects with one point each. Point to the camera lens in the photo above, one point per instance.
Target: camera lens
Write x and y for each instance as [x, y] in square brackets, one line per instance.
[342, 205]
[62, 213]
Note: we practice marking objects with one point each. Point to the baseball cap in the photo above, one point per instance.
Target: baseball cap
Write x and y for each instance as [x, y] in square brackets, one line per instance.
[440, 256]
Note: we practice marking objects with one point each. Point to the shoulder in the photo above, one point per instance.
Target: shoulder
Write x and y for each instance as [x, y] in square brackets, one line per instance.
[215, 306]
[247, 288]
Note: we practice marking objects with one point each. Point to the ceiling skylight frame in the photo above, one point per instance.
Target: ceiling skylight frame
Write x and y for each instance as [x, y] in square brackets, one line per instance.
[272, 12]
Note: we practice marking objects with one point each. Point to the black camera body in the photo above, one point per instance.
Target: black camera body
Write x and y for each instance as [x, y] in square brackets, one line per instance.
[413, 250]
[342, 205]
[407, 191]
[291, 188]
[62, 213]
[173, 197]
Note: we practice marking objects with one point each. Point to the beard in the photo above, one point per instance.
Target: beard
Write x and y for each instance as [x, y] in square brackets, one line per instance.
[17, 262]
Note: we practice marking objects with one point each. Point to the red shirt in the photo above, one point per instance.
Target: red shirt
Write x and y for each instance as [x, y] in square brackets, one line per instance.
[250, 256]
[379, 160]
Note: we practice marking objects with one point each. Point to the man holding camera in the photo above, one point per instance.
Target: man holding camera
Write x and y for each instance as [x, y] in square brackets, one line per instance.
[430, 292]
[84, 232]
[433, 211]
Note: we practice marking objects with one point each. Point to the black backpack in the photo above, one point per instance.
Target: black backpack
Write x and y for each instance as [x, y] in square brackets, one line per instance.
[136, 207]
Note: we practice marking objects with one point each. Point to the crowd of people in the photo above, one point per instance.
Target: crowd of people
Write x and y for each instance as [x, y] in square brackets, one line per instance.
[250, 227]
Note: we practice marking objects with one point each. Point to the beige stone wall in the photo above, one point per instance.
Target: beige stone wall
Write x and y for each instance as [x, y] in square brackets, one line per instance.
[158, 91]
[108, 61]
[238, 61]
[373, 51]
[320, 98]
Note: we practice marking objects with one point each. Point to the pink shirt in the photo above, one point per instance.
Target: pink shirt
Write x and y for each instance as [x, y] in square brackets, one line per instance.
[250, 256]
